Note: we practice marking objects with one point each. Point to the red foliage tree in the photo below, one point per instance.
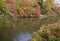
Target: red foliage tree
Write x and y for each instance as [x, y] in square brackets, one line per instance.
[12, 6]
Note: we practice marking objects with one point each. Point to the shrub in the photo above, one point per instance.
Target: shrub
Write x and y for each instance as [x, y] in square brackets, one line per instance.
[49, 32]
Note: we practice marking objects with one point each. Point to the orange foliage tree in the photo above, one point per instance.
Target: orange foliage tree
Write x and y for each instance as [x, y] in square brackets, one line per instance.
[24, 7]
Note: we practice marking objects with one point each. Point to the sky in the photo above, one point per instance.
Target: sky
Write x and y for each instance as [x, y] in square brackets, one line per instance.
[57, 2]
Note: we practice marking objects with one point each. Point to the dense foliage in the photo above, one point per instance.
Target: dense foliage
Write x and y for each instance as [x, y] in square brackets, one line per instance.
[50, 25]
[49, 22]
[20, 7]
[49, 30]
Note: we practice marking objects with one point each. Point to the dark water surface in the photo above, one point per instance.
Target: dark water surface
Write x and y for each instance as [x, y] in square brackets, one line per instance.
[21, 31]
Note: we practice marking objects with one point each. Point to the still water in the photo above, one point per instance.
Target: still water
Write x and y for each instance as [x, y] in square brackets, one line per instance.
[22, 36]
[21, 30]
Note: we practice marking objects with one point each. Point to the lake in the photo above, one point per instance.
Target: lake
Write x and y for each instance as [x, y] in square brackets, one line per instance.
[21, 31]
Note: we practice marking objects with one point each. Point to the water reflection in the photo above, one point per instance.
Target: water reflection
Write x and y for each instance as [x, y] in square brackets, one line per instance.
[21, 29]
[26, 27]
[22, 36]
[27, 24]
